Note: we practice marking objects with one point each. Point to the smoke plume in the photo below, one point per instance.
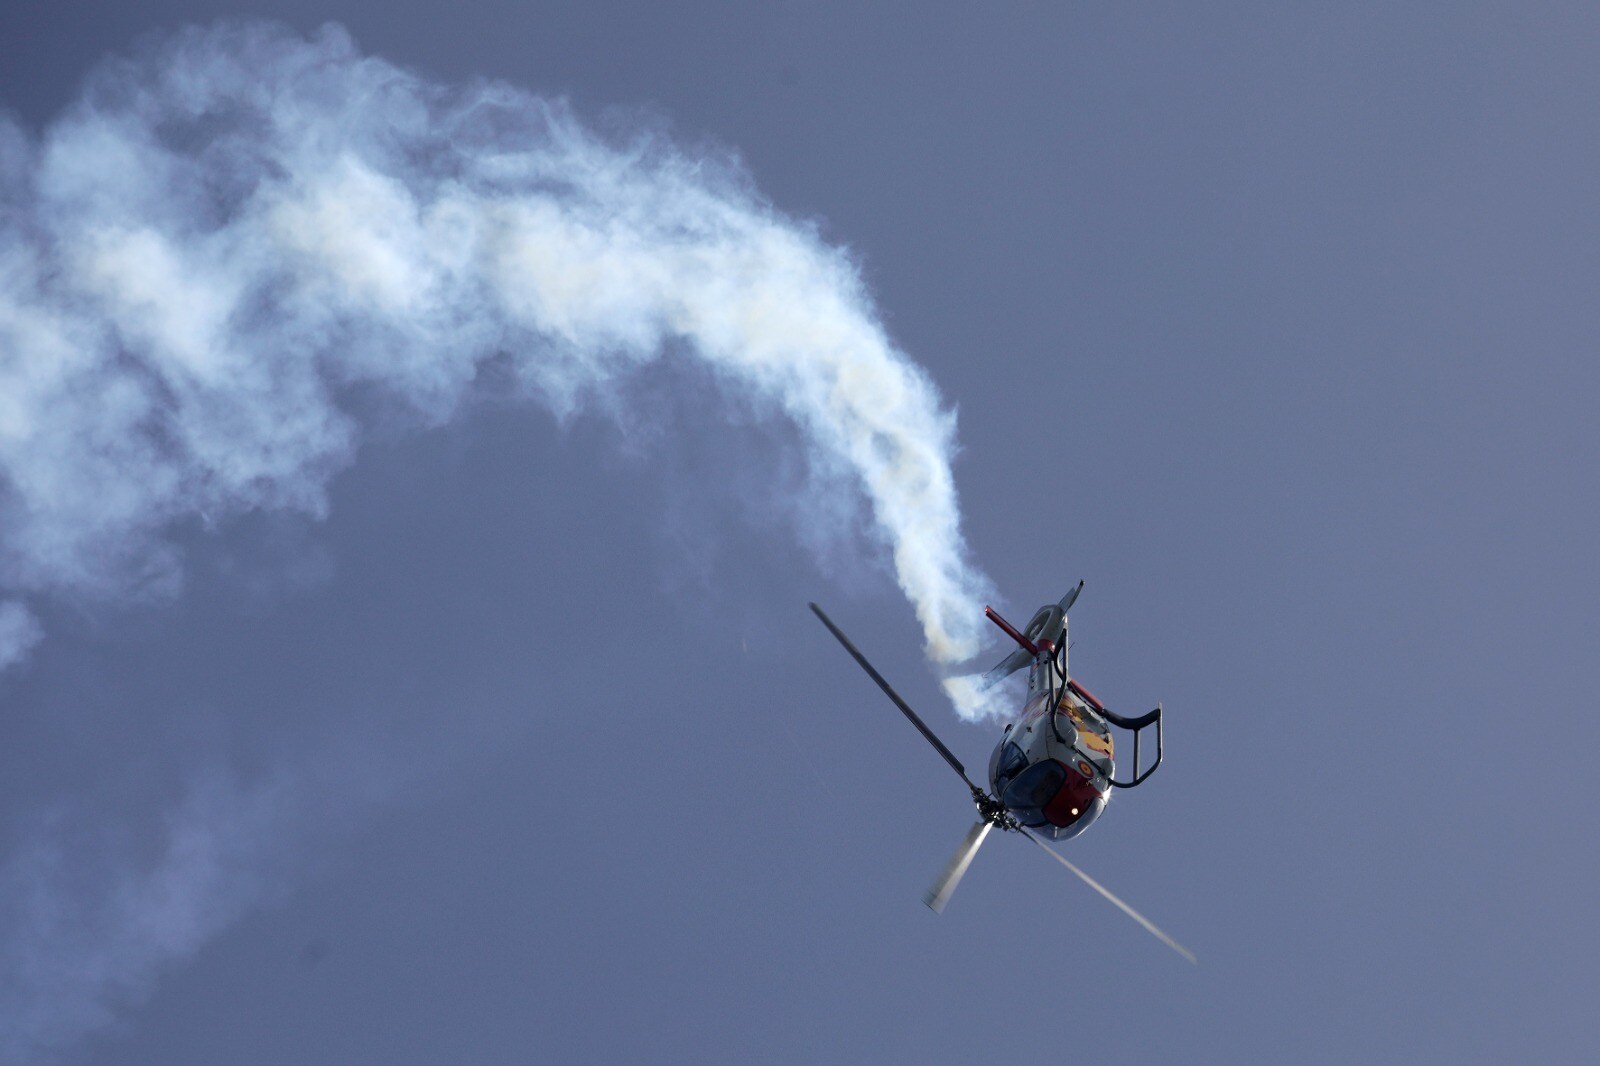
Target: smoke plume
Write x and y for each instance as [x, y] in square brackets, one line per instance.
[19, 632]
[89, 924]
[238, 240]
[241, 246]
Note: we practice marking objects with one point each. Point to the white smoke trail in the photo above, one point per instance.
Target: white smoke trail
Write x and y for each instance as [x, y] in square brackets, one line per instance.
[239, 241]
[90, 918]
[96, 903]
[234, 240]
[19, 632]
[974, 702]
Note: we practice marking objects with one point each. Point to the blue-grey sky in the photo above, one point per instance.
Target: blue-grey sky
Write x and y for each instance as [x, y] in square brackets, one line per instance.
[1275, 325]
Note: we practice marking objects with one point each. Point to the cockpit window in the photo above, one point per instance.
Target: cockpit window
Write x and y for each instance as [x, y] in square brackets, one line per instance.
[1009, 765]
[1027, 796]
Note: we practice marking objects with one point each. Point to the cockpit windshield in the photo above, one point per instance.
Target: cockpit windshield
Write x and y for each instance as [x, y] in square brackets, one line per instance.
[1049, 794]
[1007, 763]
[1028, 796]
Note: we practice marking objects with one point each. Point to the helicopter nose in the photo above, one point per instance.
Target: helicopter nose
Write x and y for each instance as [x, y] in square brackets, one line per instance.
[1075, 799]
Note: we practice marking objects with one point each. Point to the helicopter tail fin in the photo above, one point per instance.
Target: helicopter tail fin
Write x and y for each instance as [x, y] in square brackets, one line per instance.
[1047, 627]
[1006, 667]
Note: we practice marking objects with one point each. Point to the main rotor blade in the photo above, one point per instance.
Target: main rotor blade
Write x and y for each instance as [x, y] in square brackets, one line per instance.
[1106, 892]
[905, 708]
[940, 891]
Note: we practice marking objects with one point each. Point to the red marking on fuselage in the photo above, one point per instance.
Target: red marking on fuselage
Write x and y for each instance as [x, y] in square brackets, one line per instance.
[1077, 795]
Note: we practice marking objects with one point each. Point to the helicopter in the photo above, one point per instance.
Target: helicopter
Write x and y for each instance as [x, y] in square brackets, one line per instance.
[1053, 768]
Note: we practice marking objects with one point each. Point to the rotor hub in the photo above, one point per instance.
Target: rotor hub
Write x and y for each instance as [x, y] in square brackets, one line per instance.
[994, 812]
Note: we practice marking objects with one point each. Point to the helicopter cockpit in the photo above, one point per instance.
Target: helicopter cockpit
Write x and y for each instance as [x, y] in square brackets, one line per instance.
[1051, 770]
